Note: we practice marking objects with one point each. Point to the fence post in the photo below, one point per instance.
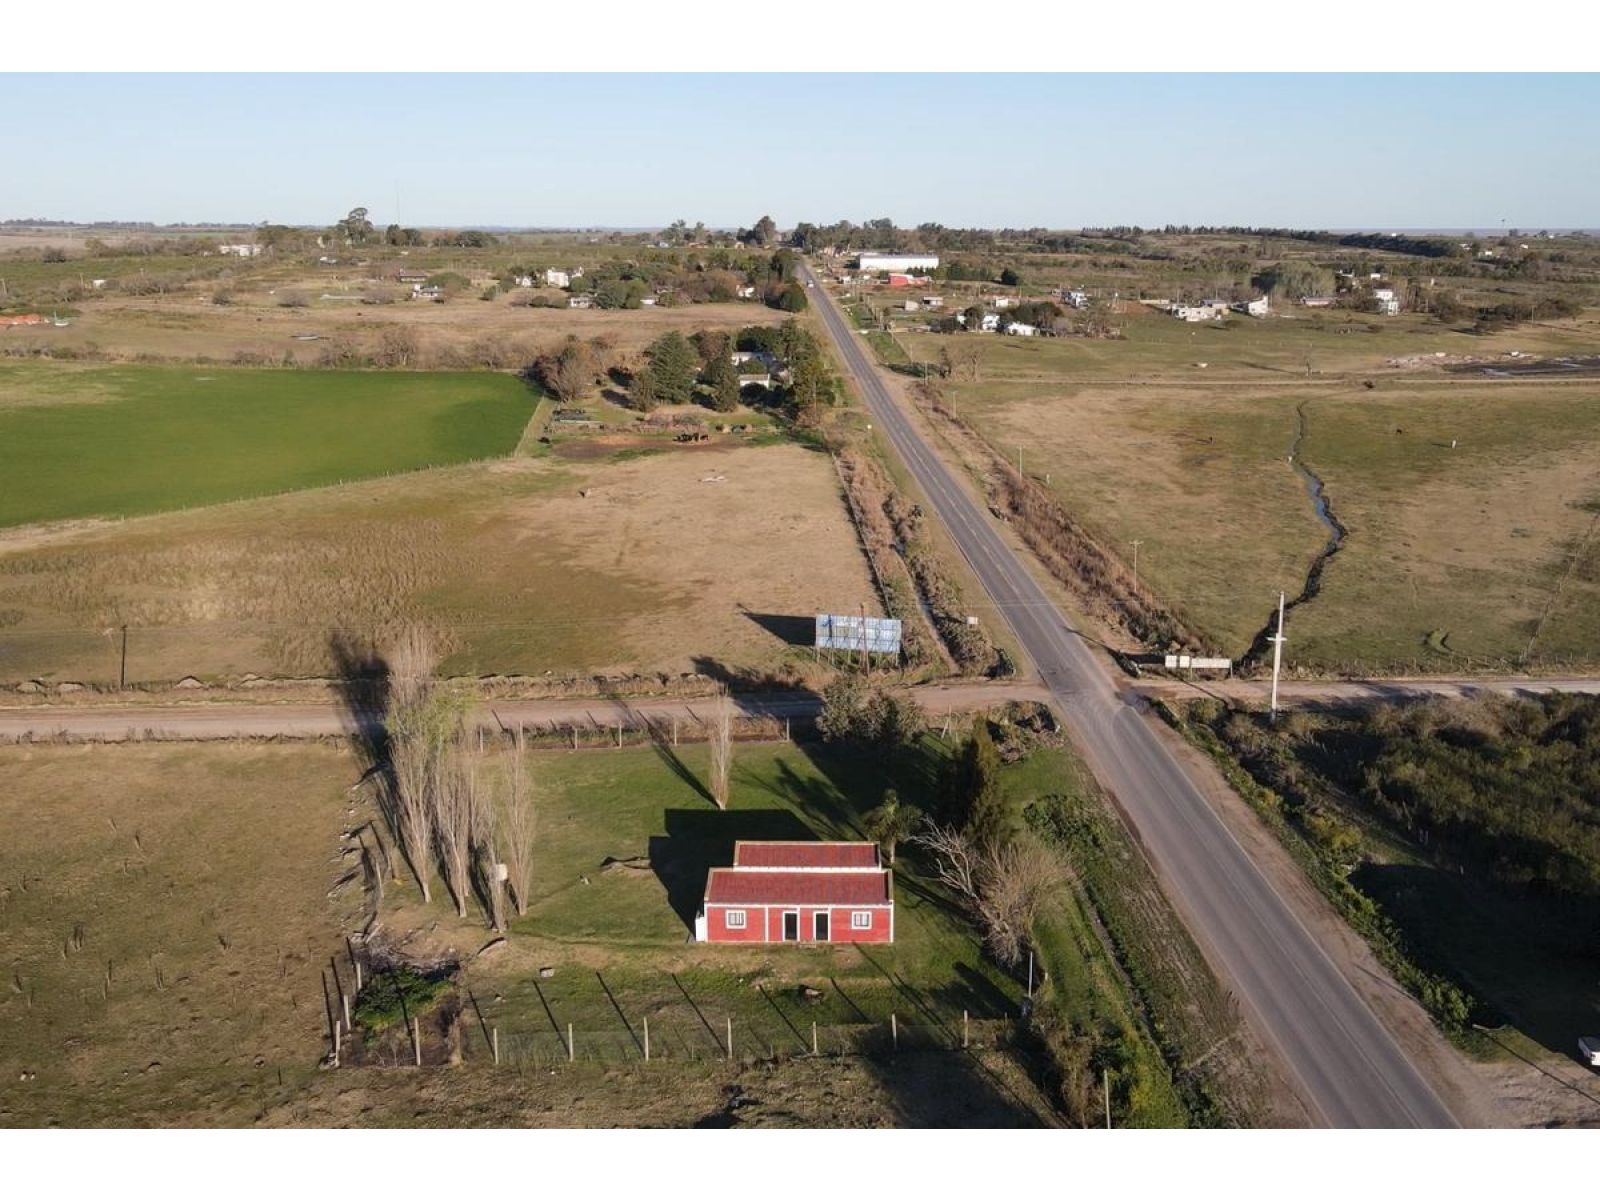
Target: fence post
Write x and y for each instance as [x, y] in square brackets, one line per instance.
[730, 1039]
[965, 1030]
[345, 1001]
[337, 1043]
[494, 1043]
[572, 1050]
[647, 1039]
[894, 1030]
[416, 1039]
[813, 1039]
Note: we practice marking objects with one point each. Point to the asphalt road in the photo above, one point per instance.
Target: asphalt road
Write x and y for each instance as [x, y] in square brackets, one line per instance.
[1350, 1070]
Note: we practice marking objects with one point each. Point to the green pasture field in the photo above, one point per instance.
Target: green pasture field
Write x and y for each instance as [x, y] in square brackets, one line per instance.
[125, 441]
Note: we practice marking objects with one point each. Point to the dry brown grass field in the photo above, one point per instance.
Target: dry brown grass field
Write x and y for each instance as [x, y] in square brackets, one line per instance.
[1456, 558]
[188, 326]
[648, 562]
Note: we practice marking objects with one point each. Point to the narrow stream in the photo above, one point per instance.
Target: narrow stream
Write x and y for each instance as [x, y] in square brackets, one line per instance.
[1336, 536]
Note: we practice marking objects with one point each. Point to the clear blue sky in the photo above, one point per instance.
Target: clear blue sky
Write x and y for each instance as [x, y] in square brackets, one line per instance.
[1366, 151]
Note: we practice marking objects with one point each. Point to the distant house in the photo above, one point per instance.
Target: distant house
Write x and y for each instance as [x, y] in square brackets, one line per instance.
[649, 301]
[412, 277]
[580, 301]
[990, 322]
[1317, 301]
[912, 305]
[240, 249]
[1002, 301]
[1388, 304]
[1021, 329]
[747, 292]
[896, 279]
[428, 292]
[523, 281]
[1254, 308]
[763, 381]
[933, 301]
[1211, 310]
[557, 279]
[802, 892]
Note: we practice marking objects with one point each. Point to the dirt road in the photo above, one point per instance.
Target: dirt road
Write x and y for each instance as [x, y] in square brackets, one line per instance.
[203, 720]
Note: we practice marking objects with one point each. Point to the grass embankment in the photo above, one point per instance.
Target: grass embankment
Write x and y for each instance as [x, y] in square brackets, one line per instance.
[125, 441]
[1483, 908]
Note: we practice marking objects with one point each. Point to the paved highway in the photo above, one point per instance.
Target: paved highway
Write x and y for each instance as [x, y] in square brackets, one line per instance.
[1349, 1068]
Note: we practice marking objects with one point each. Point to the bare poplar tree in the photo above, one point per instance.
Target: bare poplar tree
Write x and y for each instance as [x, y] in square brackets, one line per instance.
[518, 826]
[721, 749]
[1003, 886]
[485, 837]
[412, 748]
[455, 798]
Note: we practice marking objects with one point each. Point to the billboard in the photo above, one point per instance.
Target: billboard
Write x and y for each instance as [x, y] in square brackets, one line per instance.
[876, 635]
[1198, 664]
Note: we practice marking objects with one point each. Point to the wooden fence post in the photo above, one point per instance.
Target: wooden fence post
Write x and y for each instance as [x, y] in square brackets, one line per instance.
[494, 1043]
[894, 1030]
[730, 1039]
[647, 1039]
[345, 1000]
[813, 1039]
[965, 1032]
[416, 1039]
[572, 1051]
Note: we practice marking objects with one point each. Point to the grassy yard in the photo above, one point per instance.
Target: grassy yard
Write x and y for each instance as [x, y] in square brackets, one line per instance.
[124, 441]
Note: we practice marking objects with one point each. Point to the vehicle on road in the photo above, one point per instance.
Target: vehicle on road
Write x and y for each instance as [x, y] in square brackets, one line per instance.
[1589, 1050]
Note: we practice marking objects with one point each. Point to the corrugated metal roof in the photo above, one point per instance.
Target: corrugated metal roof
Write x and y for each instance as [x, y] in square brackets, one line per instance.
[835, 855]
[728, 886]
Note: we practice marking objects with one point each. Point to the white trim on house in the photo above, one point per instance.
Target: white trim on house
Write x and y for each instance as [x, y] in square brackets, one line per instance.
[860, 919]
[735, 918]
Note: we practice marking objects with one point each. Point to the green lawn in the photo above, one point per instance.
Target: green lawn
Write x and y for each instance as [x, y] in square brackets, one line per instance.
[124, 441]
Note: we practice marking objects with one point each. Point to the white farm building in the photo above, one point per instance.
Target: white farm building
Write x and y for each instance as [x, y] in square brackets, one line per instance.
[869, 261]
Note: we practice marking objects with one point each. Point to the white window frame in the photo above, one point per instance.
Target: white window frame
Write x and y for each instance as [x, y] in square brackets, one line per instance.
[734, 918]
[861, 920]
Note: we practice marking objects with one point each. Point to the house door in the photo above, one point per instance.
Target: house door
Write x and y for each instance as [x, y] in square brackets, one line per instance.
[791, 927]
[822, 927]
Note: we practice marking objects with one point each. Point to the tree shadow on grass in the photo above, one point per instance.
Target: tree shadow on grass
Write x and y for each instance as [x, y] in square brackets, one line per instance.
[697, 840]
[788, 629]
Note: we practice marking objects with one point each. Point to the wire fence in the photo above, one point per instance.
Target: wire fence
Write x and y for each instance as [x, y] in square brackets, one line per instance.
[546, 1048]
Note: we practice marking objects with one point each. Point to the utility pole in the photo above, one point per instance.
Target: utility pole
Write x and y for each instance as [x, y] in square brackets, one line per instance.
[1136, 543]
[1277, 657]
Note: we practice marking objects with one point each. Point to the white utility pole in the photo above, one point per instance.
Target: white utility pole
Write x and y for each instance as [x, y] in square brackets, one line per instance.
[1277, 657]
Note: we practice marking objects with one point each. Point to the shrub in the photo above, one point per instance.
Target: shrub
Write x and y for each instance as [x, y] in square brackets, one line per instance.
[396, 995]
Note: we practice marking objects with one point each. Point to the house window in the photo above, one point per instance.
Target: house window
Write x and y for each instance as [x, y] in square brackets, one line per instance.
[736, 918]
[860, 920]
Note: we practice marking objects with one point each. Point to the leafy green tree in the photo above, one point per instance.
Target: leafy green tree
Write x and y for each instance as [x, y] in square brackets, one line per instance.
[1010, 278]
[974, 318]
[891, 823]
[644, 393]
[972, 796]
[786, 297]
[844, 704]
[673, 366]
[355, 227]
[722, 377]
[765, 231]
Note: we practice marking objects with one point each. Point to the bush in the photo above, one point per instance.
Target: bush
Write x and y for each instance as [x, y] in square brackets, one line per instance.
[396, 995]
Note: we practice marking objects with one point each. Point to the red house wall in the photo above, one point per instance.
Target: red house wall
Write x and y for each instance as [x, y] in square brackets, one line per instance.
[764, 923]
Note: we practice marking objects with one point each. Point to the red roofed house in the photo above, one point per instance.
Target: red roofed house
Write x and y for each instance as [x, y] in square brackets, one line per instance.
[798, 892]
